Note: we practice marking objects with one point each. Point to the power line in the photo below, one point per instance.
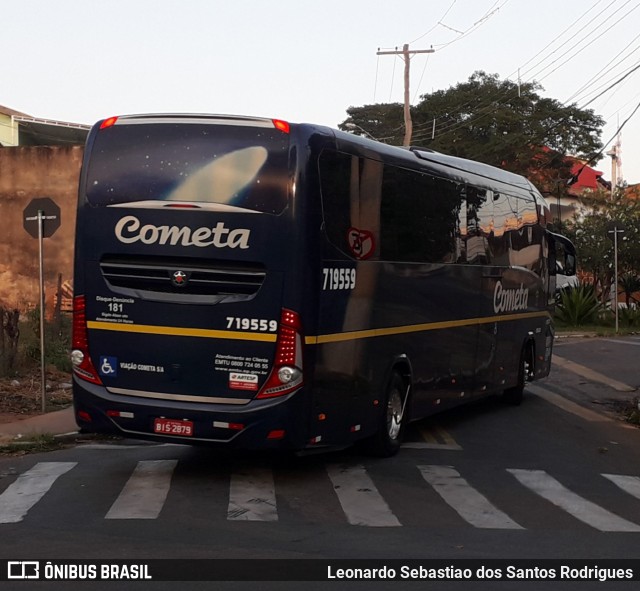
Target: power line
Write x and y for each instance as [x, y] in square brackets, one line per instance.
[436, 25]
[612, 85]
[506, 93]
[597, 75]
[493, 99]
[484, 112]
[589, 43]
[598, 155]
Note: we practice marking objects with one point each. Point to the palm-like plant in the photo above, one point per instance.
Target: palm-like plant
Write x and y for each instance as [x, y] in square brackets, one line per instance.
[578, 306]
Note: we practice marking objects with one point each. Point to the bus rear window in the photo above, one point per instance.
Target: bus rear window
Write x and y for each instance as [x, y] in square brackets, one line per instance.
[219, 166]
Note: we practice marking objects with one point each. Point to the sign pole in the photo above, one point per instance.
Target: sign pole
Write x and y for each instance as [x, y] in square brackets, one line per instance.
[615, 229]
[43, 384]
[39, 211]
[615, 258]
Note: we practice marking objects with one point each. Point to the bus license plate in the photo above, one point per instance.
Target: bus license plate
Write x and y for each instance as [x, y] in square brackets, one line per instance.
[173, 427]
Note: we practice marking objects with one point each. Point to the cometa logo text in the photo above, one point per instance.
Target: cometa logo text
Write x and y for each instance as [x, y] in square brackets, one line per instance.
[130, 230]
[510, 300]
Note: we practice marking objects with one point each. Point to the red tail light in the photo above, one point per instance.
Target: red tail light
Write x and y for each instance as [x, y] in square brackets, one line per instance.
[286, 374]
[283, 126]
[110, 122]
[82, 364]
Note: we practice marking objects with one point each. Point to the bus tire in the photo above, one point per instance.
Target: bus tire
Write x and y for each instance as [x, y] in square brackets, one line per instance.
[386, 442]
[515, 395]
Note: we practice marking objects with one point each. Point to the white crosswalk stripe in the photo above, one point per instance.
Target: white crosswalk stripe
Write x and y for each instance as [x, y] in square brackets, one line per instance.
[29, 488]
[586, 511]
[629, 484]
[360, 499]
[145, 492]
[471, 505]
[252, 496]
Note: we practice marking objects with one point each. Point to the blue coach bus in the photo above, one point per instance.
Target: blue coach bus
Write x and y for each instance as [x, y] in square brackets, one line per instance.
[251, 283]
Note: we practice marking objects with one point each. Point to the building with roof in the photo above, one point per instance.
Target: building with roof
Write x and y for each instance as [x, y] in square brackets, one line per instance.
[38, 158]
[20, 129]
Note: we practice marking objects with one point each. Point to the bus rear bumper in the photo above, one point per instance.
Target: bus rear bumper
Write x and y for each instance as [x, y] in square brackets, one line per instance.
[275, 423]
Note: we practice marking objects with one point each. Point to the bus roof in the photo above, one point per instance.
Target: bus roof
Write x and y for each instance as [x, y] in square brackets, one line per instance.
[417, 155]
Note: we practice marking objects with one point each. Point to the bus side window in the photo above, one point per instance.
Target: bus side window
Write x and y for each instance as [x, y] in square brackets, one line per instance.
[350, 188]
[335, 174]
[562, 262]
[479, 224]
[564, 255]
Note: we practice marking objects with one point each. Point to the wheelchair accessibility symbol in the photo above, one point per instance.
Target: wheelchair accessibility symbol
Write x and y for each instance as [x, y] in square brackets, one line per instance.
[108, 367]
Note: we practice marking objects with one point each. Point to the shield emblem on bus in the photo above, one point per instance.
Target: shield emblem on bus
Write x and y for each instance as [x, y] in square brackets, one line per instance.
[361, 243]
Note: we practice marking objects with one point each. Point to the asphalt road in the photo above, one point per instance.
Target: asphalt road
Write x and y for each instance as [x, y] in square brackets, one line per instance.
[558, 477]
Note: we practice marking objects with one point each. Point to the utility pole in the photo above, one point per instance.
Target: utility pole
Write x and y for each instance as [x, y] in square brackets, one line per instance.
[406, 55]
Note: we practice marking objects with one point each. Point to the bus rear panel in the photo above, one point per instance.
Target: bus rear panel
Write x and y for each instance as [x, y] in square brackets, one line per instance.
[181, 329]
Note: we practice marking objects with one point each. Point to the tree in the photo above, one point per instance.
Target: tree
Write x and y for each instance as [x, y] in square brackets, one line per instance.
[382, 122]
[595, 247]
[492, 121]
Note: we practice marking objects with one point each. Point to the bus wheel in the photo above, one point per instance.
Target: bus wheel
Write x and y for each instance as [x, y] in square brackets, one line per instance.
[515, 395]
[386, 442]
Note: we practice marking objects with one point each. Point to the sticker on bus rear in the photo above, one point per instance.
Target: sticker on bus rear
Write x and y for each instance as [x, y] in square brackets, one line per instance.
[108, 366]
[243, 381]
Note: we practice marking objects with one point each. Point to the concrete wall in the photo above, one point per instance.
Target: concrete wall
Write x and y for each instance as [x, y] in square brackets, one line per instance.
[27, 173]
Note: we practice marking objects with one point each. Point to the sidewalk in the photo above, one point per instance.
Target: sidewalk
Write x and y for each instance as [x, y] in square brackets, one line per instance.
[60, 422]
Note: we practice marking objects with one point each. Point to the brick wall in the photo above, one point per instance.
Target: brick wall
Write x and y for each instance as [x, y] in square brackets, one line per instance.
[26, 173]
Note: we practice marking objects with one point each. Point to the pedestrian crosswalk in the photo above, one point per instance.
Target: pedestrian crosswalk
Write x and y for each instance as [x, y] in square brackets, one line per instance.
[252, 496]
[144, 494]
[360, 500]
[253, 492]
[29, 488]
[470, 504]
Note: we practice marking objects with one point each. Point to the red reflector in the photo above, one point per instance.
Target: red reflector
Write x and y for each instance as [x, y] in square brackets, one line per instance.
[79, 337]
[281, 125]
[80, 341]
[83, 415]
[236, 426]
[110, 122]
[276, 434]
[113, 413]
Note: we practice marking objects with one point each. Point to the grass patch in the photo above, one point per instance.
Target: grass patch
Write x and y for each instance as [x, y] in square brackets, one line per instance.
[39, 443]
[632, 414]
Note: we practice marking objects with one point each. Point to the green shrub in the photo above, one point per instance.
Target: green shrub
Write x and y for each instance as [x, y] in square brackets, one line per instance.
[629, 317]
[577, 306]
[57, 342]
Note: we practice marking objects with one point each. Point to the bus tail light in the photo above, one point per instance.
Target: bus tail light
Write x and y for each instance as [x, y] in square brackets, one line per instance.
[286, 374]
[283, 126]
[82, 365]
[110, 122]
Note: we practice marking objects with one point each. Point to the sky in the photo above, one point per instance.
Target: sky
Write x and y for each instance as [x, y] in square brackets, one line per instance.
[304, 61]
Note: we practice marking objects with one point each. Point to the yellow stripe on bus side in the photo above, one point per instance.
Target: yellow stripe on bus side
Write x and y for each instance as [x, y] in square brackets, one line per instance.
[379, 332]
[182, 332]
[309, 340]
